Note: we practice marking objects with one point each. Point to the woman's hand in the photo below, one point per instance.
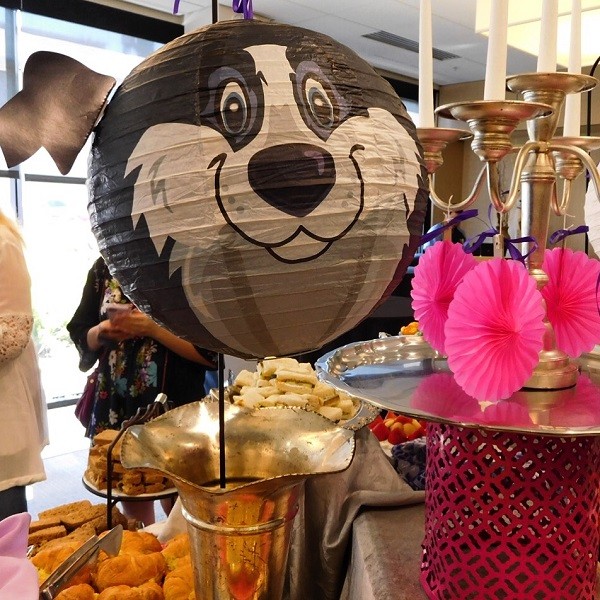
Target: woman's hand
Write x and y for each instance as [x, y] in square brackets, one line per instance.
[103, 333]
[136, 324]
[108, 331]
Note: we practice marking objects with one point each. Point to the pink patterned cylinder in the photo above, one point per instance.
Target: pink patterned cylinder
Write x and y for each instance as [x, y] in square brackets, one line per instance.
[510, 516]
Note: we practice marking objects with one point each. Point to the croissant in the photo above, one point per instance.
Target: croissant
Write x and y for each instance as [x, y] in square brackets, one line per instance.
[176, 549]
[82, 591]
[148, 591]
[139, 542]
[179, 584]
[129, 569]
[49, 559]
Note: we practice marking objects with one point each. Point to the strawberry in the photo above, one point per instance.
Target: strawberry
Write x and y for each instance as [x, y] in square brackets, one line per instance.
[403, 419]
[380, 431]
[378, 419]
[396, 436]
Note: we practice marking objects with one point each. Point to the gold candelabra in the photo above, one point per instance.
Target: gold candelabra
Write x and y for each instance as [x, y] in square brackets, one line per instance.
[539, 163]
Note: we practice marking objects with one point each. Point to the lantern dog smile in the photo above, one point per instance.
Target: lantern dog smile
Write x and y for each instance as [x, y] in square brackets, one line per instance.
[311, 164]
[284, 148]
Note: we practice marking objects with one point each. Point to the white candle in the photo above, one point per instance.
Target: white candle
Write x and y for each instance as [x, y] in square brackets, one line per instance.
[547, 51]
[495, 68]
[573, 102]
[425, 66]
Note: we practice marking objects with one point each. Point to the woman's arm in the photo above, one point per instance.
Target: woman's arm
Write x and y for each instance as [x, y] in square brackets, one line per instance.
[138, 324]
[84, 326]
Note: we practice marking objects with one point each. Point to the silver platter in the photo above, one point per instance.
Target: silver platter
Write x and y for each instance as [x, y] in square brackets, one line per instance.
[406, 375]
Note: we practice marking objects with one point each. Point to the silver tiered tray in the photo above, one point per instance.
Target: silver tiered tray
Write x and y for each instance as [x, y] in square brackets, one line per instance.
[405, 374]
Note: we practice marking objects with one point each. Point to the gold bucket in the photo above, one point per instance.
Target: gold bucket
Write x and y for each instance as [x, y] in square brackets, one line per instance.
[239, 534]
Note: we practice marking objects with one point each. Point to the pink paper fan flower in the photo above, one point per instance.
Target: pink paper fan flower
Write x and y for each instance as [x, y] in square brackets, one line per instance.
[495, 329]
[571, 302]
[580, 406]
[440, 396]
[439, 272]
[507, 413]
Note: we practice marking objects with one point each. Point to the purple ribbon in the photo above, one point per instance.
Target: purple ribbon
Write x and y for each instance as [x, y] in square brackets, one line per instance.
[509, 244]
[176, 7]
[561, 234]
[472, 244]
[244, 6]
[439, 229]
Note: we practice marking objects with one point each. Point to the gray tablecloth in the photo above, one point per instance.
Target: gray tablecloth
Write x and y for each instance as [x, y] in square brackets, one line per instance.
[322, 536]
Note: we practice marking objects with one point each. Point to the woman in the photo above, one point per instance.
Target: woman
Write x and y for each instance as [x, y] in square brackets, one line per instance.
[23, 426]
[137, 360]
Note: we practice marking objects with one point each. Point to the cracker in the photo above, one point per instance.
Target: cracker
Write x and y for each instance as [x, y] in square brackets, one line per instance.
[64, 509]
[37, 538]
[44, 523]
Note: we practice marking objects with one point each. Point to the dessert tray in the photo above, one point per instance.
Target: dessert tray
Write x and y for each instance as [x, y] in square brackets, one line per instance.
[405, 374]
[119, 495]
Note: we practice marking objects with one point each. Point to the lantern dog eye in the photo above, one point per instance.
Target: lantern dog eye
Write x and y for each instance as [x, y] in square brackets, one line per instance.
[234, 108]
[322, 106]
[231, 105]
[319, 103]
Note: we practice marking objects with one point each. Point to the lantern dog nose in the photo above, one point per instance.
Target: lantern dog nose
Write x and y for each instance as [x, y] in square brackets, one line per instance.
[294, 178]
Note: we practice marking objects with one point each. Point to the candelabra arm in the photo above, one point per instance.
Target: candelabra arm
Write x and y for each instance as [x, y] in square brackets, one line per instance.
[585, 159]
[463, 203]
[494, 179]
[561, 209]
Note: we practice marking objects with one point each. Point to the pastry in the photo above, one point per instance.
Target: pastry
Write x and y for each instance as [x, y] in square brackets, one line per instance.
[129, 569]
[177, 550]
[147, 591]
[82, 591]
[139, 542]
[47, 560]
[179, 584]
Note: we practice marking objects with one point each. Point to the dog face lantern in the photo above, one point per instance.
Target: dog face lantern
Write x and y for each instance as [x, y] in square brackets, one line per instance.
[256, 188]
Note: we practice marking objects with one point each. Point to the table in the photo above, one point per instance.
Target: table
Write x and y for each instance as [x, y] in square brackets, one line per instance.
[506, 480]
[386, 556]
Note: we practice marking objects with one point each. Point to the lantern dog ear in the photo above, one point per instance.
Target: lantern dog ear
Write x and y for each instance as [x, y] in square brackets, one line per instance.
[57, 108]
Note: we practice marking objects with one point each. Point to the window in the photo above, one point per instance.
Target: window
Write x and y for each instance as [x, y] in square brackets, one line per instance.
[52, 209]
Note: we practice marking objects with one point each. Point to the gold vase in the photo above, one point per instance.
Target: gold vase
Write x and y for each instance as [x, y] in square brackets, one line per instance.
[239, 534]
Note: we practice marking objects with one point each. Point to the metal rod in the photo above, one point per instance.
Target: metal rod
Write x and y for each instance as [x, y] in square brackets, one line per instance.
[588, 132]
[221, 371]
[215, 11]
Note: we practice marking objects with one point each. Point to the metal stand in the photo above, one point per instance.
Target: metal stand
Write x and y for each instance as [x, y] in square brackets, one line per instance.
[143, 415]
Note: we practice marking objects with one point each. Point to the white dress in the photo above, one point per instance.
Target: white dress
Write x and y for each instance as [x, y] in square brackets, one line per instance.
[23, 418]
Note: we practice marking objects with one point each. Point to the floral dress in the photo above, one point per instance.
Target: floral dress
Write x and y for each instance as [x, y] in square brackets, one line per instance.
[133, 372]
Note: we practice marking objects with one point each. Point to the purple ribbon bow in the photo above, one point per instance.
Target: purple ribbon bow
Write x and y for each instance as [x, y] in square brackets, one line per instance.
[244, 6]
[439, 229]
[472, 244]
[176, 7]
[561, 234]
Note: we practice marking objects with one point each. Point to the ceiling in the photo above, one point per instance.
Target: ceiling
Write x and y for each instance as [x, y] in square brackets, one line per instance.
[348, 21]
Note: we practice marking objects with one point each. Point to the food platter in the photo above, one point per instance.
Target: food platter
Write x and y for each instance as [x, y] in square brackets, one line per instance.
[404, 374]
[365, 412]
[118, 495]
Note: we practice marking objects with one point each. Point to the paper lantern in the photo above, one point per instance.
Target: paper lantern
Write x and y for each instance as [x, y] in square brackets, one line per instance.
[257, 188]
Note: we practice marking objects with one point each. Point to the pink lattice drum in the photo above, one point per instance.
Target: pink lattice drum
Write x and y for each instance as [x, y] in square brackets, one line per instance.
[510, 516]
